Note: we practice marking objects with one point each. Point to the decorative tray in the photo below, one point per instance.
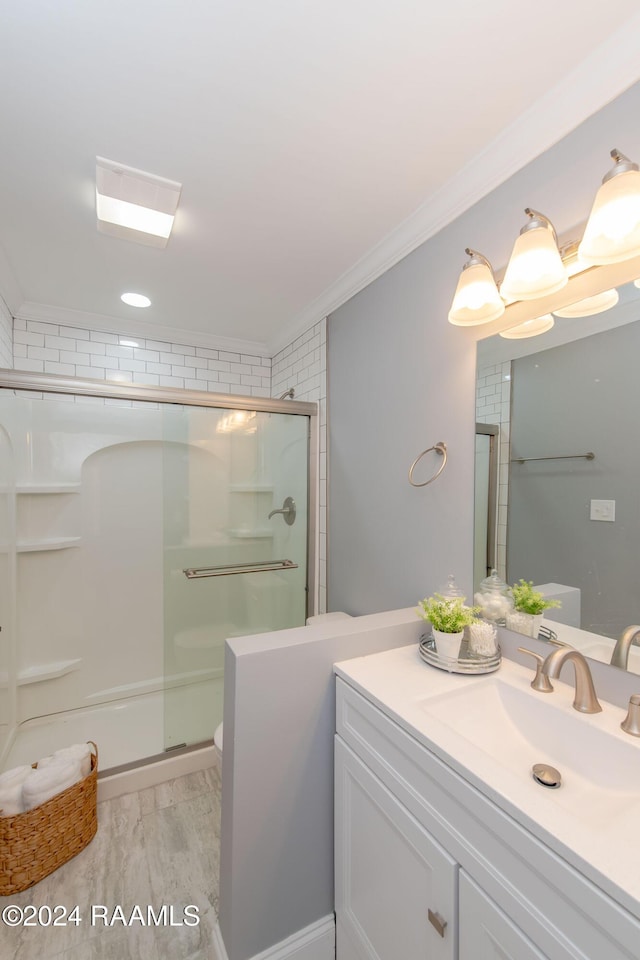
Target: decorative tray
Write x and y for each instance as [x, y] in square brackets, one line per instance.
[467, 662]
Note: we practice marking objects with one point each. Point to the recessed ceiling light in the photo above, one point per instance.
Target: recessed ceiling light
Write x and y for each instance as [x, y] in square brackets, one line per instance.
[135, 300]
[135, 205]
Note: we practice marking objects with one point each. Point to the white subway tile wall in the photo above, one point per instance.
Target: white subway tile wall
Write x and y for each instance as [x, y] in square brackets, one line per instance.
[6, 337]
[493, 405]
[75, 352]
[43, 347]
[302, 365]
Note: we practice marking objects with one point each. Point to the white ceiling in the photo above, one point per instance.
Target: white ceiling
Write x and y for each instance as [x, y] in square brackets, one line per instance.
[317, 141]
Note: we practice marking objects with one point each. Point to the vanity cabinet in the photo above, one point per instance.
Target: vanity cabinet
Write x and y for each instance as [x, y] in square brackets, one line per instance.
[486, 933]
[428, 866]
[396, 885]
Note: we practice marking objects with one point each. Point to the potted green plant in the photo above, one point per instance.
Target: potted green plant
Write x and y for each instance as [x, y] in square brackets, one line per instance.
[448, 617]
[529, 606]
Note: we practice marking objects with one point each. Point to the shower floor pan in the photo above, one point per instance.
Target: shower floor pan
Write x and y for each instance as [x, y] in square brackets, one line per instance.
[126, 731]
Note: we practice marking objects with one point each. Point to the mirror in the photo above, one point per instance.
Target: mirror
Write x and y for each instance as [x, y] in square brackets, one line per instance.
[563, 517]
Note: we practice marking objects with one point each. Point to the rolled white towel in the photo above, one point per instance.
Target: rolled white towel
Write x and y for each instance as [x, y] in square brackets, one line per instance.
[77, 751]
[42, 784]
[11, 783]
[45, 761]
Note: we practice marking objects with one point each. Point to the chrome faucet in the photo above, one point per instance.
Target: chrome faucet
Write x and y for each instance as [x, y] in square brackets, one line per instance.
[585, 699]
[620, 655]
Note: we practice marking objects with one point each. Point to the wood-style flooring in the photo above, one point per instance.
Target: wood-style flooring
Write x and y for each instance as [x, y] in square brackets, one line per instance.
[157, 847]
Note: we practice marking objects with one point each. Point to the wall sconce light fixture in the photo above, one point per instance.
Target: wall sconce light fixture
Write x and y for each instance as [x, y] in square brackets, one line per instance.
[535, 268]
[590, 305]
[542, 278]
[529, 328]
[476, 298]
[612, 233]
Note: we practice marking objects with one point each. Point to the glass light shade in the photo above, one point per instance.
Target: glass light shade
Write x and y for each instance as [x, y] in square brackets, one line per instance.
[636, 283]
[612, 233]
[476, 299]
[530, 328]
[590, 305]
[535, 268]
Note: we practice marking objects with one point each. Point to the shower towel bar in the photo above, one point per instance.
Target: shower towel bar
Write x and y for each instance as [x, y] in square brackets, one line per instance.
[260, 566]
[440, 448]
[569, 456]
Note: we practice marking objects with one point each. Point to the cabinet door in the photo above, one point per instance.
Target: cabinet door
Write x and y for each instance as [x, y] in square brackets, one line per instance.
[395, 886]
[486, 933]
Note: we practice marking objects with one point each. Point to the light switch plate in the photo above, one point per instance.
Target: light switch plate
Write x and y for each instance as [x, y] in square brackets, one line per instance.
[603, 510]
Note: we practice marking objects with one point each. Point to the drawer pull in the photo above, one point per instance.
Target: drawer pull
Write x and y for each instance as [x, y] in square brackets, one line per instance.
[436, 921]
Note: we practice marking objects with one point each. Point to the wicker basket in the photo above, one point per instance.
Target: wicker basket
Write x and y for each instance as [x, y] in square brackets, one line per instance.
[35, 843]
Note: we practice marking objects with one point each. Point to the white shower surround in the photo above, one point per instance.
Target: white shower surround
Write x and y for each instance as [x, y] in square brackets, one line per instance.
[46, 346]
[110, 726]
[50, 347]
[90, 512]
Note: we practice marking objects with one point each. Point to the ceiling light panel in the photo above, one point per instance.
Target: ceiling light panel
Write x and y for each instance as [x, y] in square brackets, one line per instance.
[135, 205]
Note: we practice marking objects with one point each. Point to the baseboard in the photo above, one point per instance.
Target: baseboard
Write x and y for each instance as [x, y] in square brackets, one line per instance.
[315, 942]
[149, 775]
[219, 949]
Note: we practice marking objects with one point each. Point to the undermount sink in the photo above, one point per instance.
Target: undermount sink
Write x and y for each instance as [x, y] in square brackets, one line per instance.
[516, 727]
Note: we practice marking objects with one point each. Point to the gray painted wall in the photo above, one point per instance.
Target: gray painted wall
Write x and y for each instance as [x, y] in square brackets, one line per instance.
[571, 399]
[276, 870]
[402, 378]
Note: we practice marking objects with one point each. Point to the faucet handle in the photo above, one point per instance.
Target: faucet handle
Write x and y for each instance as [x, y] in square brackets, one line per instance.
[631, 723]
[541, 681]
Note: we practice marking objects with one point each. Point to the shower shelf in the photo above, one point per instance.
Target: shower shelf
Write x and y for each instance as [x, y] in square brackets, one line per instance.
[251, 488]
[42, 488]
[47, 543]
[258, 533]
[47, 671]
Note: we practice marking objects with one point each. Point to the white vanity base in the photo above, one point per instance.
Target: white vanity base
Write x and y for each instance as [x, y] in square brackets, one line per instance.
[432, 864]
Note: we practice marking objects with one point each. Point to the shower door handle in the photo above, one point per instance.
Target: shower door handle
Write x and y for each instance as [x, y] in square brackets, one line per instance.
[226, 570]
[288, 511]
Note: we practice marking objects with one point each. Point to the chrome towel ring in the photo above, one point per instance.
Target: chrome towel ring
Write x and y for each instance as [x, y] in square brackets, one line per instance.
[440, 448]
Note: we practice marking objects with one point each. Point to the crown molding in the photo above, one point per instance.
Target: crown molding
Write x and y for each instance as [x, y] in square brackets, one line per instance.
[5, 312]
[45, 313]
[610, 70]
[10, 293]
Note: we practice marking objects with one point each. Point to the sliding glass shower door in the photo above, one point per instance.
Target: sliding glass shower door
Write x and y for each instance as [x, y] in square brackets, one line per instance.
[235, 494]
[108, 494]
[7, 599]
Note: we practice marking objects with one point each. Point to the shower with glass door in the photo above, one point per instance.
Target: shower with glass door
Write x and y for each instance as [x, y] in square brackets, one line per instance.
[140, 529]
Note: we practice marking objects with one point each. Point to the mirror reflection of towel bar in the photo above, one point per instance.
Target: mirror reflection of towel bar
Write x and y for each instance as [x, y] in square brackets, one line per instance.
[260, 566]
[569, 456]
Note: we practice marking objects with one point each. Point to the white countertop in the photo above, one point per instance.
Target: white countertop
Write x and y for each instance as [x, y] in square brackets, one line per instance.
[597, 834]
